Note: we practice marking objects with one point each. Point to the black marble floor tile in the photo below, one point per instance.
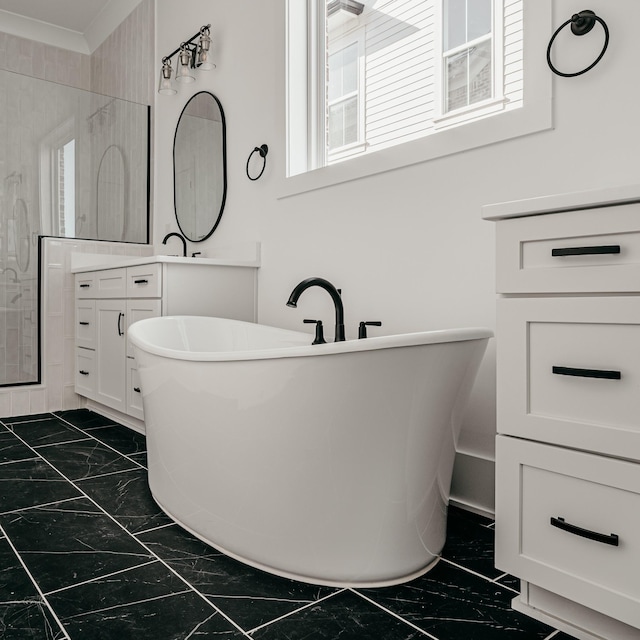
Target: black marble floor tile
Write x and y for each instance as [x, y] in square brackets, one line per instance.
[28, 621]
[15, 583]
[31, 482]
[85, 459]
[84, 419]
[346, 616]
[509, 581]
[122, 439]
[44, 432]
[452, 603]
[70, 542]
[126, 496]
[145, 603]
[11, 449]
[470, 542]
[250, 597]
[27, 418]
[140, 458]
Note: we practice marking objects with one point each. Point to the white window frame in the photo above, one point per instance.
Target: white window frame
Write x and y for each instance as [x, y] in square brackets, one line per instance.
[348, 150]
[534, 116]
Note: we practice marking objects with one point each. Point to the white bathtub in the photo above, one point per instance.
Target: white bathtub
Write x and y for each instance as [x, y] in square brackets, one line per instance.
[330, 464]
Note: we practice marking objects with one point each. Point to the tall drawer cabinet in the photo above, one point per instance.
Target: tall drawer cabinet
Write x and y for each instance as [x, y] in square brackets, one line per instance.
[109, 300]
[568, 408]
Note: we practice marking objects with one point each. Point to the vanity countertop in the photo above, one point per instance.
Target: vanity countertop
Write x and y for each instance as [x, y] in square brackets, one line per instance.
[563, 202]
[83, 262]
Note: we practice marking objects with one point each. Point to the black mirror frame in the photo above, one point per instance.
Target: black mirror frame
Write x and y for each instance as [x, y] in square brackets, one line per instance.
[224, 167]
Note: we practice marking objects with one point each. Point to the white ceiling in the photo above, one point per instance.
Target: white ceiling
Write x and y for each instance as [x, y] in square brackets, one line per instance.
[78, 25]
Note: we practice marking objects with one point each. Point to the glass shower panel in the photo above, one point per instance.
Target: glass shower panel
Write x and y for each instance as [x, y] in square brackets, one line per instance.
[72, 164]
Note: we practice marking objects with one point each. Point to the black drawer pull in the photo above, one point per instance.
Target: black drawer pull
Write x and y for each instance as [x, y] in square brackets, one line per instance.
[586, 251]
[136, 389]
[611, 539]
[587, 373]
[83, 323]
[85, 286]
[140, 282]
[83, 373]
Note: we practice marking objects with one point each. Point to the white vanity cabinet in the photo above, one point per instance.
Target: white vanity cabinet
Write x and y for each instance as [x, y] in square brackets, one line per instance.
[568, 408]
[109, 300]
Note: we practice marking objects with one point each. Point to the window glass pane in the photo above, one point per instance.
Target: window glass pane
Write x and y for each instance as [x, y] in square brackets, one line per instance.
[478, 18]
[343, 72]
[468, 77]
[343, 123]
[457, 81]
[455, 23]
[480, 72]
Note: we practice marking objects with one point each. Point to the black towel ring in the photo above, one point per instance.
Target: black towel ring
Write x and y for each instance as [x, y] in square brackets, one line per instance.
[581, 23]
[262, 150]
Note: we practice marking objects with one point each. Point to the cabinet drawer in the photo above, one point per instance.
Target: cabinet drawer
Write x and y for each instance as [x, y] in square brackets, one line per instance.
[86, 323]
[596, 250]
[85, 378]
[110, 283]
[85, 285]
[144, 281]
[569, 372]
[568, 521]
[134, 392]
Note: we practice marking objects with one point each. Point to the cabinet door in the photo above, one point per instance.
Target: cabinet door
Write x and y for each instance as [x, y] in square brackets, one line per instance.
[140, 309]
[110, 353]
[134, 392]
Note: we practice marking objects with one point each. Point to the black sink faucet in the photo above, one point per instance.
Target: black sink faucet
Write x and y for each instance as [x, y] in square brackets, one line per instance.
[177, 235]
[335, 296]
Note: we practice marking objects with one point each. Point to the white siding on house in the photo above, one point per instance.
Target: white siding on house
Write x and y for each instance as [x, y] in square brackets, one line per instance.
[400, 66]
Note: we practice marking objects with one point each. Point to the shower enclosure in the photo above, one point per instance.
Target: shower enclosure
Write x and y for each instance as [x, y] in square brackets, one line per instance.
[73, 164]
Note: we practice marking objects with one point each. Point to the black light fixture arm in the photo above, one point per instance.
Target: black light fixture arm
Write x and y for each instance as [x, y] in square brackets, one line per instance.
[186, 45]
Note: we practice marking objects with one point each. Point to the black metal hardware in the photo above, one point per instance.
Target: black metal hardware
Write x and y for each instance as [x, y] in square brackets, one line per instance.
[136, 389]
[120, 316]
[336, 296]
[587, 373]
[140, 282]
[319, 339]
[263, 149]
[83, 323]
[608, 249]
[182, 239]
[83, 372]
[362, 328]
[85, 286]
[190, 46]
[581, 23]
[604, 538]
[196, 253]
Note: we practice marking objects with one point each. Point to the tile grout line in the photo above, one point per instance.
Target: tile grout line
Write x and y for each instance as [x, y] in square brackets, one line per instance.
[395, 615]
[161, 526]
[479, 575]
[169, 568]
[35, 584]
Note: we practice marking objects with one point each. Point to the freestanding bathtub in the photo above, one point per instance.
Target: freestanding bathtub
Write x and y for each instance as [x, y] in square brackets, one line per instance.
[329, 464]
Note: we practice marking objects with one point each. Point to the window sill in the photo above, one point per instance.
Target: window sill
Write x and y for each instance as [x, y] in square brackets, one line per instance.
[472, 112]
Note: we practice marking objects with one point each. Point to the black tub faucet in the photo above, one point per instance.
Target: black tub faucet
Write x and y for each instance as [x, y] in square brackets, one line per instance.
[177, 235]
[335, 296]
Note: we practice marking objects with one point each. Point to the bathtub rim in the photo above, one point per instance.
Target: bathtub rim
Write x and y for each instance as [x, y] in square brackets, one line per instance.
[136, 336]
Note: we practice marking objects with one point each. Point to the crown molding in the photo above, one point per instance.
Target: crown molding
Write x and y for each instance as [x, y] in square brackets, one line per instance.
[107, 21]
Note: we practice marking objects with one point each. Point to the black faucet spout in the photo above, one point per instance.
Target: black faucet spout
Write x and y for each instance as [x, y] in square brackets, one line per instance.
[177, 235]
[335, 296]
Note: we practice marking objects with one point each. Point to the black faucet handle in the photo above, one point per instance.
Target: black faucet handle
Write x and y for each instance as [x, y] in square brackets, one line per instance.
[319, 339]
[362, 328]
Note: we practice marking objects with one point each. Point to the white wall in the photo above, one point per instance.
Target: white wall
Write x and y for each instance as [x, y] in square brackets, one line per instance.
[407, 247]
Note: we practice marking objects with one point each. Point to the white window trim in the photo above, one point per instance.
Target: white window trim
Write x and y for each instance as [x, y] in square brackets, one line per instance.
[534, 116]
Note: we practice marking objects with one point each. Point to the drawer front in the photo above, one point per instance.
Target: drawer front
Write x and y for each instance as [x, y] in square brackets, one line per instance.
[569, 372]
[85, 285]
[144, 281]
[134, 392]
[86, 324]
[85, 379]
[591, 251]
[111, 283]
[569, 521]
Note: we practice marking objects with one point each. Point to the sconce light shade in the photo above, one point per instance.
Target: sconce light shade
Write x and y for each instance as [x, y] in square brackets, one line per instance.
[184, 74]
[204, 56]
[165, 87]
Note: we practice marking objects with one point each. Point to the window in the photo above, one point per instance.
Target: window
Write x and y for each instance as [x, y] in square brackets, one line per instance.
[468, 53]
[365, 78]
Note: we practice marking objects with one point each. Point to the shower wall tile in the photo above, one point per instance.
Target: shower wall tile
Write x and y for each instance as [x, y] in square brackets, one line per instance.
[20, 402]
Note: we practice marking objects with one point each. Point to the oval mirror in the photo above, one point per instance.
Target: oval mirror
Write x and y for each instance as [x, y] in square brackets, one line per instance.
[111, 195]
[22, 234]
[200, 167]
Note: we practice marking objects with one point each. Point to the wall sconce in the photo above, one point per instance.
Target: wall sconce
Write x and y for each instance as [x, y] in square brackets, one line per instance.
[190, 56]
